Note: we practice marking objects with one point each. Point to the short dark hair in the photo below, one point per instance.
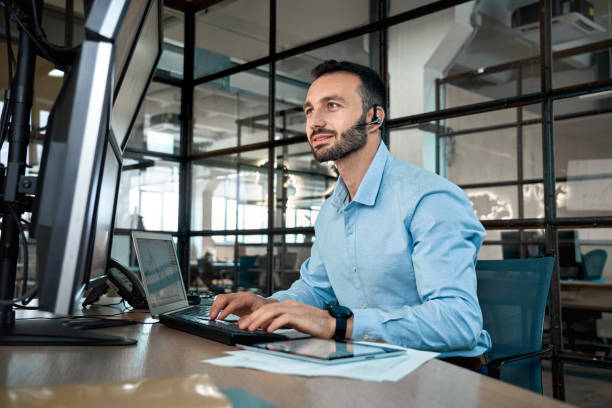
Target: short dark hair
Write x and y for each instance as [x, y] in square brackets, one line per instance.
[372, 89]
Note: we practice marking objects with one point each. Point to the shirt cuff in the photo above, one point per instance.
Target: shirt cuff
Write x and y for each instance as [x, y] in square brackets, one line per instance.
[368, 324]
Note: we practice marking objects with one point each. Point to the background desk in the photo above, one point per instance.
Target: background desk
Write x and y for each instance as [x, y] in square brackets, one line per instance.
[587, 295]
[583, 303]
[165, 352]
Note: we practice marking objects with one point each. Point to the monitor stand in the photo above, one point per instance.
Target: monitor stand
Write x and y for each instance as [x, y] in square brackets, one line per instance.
[58, 332]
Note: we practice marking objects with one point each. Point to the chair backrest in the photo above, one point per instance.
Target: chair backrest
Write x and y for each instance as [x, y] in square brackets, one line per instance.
[245, 263]
[512, 295]
[593, 263]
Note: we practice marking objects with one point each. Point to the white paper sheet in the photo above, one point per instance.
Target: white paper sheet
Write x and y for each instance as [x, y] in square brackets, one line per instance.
[384, 369]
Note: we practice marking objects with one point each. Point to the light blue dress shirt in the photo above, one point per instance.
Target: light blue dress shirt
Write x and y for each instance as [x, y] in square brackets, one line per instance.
[401, 256]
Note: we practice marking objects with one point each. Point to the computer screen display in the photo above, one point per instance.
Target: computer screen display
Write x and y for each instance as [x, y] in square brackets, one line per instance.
[160, 270]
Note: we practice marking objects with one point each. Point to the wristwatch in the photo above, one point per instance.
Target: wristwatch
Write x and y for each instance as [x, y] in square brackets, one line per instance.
[342, 314]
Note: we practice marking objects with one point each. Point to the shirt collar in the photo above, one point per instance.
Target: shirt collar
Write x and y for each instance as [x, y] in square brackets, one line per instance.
[368, 189]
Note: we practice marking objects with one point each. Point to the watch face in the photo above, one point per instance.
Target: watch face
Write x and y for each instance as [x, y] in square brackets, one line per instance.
[341, 311]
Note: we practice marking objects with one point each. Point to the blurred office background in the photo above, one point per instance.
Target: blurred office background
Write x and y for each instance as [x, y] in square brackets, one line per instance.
[219, 159]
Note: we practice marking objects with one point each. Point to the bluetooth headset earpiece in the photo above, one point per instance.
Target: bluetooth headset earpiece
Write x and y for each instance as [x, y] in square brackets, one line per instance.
[375, 120]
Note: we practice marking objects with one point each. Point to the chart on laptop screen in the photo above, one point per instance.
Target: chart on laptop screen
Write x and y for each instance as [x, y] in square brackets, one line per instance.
[163, 278]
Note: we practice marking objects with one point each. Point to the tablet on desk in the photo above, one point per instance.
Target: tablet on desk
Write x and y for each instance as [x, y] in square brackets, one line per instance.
[325, 351]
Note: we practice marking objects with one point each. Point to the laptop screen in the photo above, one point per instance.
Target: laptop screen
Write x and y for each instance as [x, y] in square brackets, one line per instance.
[160, 271]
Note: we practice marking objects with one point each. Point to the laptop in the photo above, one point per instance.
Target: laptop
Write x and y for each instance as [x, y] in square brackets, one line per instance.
[167, 299]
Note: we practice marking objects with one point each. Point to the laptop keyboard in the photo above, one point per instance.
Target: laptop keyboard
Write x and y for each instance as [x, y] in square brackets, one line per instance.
[196, 311]
[200, 316]
[195, 320]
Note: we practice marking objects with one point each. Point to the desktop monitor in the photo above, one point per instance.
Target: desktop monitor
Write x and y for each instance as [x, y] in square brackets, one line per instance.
[139, 33]
[73, 213]
[70, 175]
[81, 162]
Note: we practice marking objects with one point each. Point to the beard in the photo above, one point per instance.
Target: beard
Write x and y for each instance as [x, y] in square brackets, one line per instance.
[351, 140]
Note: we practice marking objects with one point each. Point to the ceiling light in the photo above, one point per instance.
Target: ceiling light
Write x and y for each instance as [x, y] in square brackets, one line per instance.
[56, 73]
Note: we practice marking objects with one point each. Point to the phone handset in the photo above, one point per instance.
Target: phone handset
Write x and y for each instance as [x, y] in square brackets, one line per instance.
[127, 284]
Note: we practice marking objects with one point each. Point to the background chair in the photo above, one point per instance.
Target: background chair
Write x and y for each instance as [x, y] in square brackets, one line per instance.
[246, 277]
[512, 295]
[208, 273]
[593, 263]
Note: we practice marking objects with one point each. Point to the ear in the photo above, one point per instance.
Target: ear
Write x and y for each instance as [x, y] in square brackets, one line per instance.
[380, 113]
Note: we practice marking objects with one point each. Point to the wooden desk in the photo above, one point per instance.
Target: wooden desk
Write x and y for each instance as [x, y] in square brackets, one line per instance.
[587, 295]
[166, 352]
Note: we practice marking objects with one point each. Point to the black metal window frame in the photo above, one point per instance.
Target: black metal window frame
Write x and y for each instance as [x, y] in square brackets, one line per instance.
[431, 120]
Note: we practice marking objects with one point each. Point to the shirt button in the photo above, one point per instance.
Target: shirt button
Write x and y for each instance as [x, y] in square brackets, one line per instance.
[350, 230]
[354, 269]
[366, 337]
[363, 306]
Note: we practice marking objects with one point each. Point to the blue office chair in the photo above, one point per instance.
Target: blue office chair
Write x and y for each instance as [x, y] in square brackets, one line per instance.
[246, 277]
[512, 294]
[593, 263]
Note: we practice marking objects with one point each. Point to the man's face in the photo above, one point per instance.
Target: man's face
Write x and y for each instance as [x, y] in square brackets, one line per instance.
[333, 108]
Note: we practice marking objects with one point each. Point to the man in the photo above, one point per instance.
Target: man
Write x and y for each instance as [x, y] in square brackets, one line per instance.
[395, 244]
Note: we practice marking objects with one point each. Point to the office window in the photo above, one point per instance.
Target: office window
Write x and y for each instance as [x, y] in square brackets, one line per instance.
[225, 212]
[148, 194]
[583, 156]
[158, 125]
[494, 203]
[303, 185]
[512, 244]
[480, 157]
[300, 217]
[231, 111]
[464, 85]
[586, 29]
[230, 33]
[296, 70]
[230, 192]
[449, 44]
[584, 253]
[299, 22]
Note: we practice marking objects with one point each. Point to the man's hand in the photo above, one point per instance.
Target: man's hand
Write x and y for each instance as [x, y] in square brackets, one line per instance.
[291, 314]
[241, 304]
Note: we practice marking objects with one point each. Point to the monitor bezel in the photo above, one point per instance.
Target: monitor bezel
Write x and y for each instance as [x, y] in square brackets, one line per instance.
[160, 36]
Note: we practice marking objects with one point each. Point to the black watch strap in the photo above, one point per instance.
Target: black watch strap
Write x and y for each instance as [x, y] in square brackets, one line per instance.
[341, 314]
[340, 332]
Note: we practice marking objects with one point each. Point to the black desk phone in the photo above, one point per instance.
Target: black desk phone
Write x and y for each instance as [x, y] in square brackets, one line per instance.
[127, 284]
[130, 287]
[124, 281]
